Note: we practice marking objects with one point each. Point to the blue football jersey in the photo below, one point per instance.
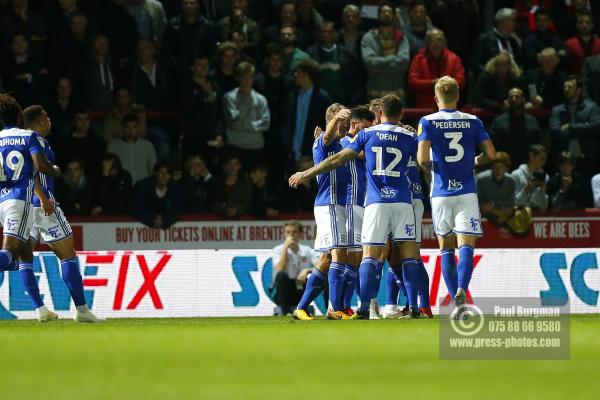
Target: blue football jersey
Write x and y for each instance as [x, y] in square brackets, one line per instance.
[357, 182]
[17, 171]
[414, 176]
[388, 148]
[46, 181]
[454, 137]
[332, 185]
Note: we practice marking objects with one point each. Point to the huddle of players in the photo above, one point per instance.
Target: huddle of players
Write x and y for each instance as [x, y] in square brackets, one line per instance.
[28, 209]
[370, 198]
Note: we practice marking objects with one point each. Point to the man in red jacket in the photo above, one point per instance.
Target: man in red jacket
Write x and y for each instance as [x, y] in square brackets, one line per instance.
[584, 45]
[431, 63]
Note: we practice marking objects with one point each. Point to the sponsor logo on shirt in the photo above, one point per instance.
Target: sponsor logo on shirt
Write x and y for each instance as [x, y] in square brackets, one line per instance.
[5, 192]
[454, 185]
[387, 192]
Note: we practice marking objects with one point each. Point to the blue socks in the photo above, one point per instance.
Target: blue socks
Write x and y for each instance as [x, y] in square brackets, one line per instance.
[7, 262]
[423, 285]
[30, 282]
[377, 282]
[72, 276]
[367, 272]
[336, 285]
[449, 271]
[392, 288]
[314, 286]
[465, 266]
[350, 280]
[410, 272]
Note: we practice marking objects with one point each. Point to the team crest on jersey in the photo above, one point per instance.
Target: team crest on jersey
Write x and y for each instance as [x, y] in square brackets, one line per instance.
[5, 192]
[454, 185]
[409, 229]
[387, 192]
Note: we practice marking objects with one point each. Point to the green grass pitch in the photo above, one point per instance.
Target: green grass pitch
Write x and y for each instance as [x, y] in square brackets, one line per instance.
[265, 358]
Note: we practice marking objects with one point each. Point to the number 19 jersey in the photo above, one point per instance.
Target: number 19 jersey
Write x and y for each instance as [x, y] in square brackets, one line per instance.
[388, 149]
[454, 137]
[16, 165]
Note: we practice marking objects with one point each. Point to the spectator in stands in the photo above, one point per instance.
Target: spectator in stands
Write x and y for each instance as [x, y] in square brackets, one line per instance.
[287, 15]
[275, 86]
[200, 109]
[530, 180]
[24, 76]
[583, 45]
[575, 125]
[224, 74]
[417, 28]
[499, 40]
[196, 185]
[431, 63]
[496, 187]
[82, 142]
[541, 39]
[188, 35]
[21, 18]
[150, 18]
[385, 52]
[309, 20]
[596, 190]
[515, 131]
[590, 78]
[304, 110]
[302, 198]
[101, 74]
[157, 200]
[292, 55]
[59, 21]
[61, 108]
[500, 74]
[247, 116]
[567, 24]
[568, 189]
[265, 200]
[351, 35]
[112, 188]
[338, 72]
[239, 20]
[149, 82]
[80, 191]
[121, 29]
[461, 37]
[231, 192]
[292, 262]
[137, 155]
[545, 83]
[113, 121]
[238, 37]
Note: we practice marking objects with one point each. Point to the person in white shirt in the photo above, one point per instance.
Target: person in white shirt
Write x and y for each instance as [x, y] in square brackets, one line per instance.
[292, 262]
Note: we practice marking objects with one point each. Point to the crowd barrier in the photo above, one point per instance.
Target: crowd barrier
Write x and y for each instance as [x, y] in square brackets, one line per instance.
[229, 282]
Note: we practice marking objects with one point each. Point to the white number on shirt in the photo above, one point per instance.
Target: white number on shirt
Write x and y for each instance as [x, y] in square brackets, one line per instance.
[387, 171]
[17, 167]
[454, 145]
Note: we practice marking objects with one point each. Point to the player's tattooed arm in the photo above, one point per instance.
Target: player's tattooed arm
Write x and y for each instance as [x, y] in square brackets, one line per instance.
[423, 158]
[331, 162]
[489, 153]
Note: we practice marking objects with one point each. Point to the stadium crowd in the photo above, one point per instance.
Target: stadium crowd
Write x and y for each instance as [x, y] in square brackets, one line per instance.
[161, 108]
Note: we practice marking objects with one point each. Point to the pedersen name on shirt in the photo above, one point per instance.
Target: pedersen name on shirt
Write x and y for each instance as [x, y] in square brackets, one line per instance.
[452, 124]
[387, 136]
[15, 141]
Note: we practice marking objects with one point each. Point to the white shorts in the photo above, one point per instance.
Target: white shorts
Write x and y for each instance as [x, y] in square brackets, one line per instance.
[51, 228]
[331, 227]
[381, 219]
[456, 214]
[419, 208]
[354, 222]
[16, 217]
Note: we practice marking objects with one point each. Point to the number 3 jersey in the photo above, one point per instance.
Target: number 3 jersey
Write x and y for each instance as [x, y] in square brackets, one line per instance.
[388, 149]
[16, 165]
[454, 137]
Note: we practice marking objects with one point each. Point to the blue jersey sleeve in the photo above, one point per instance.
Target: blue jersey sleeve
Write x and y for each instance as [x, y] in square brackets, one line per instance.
[423, 130]
[358, 142]
[34, 144]
[482, 135]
